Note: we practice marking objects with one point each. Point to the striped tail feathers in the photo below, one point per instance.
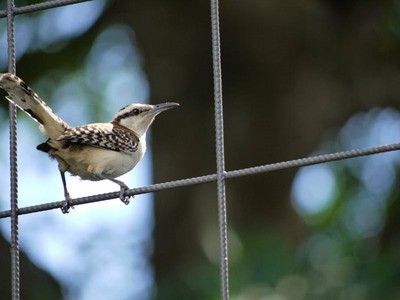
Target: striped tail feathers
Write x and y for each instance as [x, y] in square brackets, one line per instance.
[27, 100]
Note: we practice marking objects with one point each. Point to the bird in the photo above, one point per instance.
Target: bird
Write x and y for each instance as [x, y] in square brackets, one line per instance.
[96, 151]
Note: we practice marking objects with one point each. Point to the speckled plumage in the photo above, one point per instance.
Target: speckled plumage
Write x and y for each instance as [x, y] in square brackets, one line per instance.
[97, 135]
[94, 151]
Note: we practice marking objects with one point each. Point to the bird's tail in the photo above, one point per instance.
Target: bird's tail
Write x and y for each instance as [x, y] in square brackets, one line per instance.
[27, 100]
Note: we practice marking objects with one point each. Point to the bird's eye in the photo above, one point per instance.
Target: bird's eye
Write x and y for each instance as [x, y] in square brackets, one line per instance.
[135, 112]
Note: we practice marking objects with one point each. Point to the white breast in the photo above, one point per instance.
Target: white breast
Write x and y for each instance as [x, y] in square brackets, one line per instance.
[91, 161]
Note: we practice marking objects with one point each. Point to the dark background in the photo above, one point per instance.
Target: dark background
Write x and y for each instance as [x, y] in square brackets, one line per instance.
[293, 71]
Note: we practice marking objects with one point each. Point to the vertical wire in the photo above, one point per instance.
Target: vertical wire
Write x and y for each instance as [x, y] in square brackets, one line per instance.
[219, 143]
[14, 248]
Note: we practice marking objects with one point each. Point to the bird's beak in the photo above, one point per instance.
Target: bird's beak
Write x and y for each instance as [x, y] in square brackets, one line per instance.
[163, 106]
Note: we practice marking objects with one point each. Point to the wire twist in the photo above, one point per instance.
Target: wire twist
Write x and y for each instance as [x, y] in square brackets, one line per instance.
[14, 244]
[302, 162]
[220, 153]
[40, 6]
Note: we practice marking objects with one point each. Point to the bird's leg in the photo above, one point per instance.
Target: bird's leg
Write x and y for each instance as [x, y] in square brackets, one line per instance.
[123, 186]
[66, 205]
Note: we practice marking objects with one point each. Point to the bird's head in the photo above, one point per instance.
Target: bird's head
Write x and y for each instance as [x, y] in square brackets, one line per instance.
[138, 117]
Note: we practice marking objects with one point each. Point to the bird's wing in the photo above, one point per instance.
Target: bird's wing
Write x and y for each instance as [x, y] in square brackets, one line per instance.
[102, 135]
[27, 100]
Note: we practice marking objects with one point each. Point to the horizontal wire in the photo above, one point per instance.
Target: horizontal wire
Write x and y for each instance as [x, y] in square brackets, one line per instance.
[40, 6]
[302, 162]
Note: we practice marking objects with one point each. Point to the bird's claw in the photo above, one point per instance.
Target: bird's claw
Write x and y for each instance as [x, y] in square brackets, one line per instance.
[124, 199]
[66, 206]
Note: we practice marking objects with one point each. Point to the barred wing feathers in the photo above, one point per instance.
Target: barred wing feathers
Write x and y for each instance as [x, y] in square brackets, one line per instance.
[102, 135]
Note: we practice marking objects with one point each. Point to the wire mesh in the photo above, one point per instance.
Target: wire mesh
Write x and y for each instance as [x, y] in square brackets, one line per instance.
[296, 163]
[219, 148]
[220, 176]
[40, 6]
[14, 244]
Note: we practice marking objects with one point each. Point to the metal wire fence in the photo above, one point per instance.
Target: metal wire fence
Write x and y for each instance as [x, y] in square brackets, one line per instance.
[220, 176]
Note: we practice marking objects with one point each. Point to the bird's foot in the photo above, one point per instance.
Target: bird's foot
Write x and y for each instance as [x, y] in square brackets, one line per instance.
[123, 188]
[122, 191]
[66, 206]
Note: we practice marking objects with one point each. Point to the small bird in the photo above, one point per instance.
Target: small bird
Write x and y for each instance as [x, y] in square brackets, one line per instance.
[94, 151]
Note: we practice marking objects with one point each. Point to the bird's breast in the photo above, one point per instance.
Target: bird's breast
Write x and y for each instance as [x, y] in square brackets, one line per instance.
[87, 162]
